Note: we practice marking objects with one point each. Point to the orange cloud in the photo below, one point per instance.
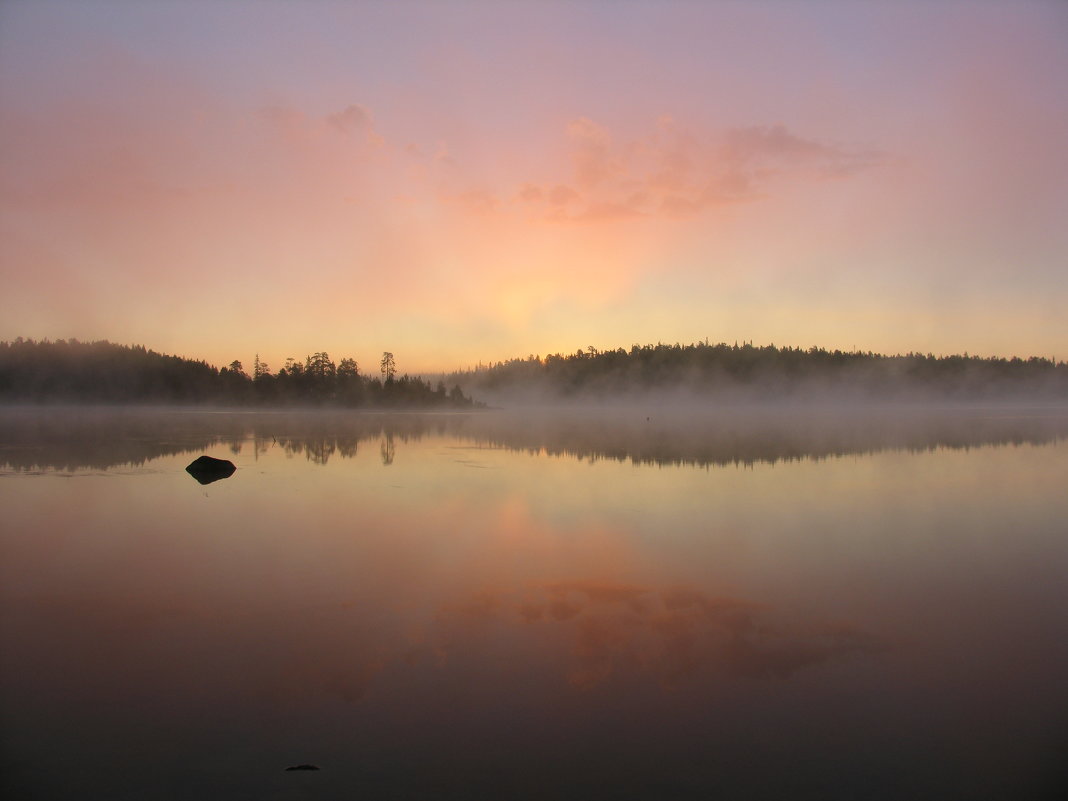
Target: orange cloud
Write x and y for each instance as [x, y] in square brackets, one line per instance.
[355, 119]
[674, 173]
[248, 198]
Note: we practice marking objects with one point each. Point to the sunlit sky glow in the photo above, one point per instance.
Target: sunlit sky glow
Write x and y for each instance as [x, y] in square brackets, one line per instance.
[464, 182]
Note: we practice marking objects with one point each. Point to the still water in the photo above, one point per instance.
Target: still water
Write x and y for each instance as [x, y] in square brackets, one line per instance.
[577, 605]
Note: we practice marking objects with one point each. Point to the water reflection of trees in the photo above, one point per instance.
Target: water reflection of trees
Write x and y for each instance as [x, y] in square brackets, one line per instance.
[388, 449]
[99, 438]
[69, 439]
[765, 436]
[319, 449]
[102, 438]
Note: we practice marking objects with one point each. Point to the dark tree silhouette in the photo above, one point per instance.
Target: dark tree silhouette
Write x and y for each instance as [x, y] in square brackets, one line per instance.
[388, 366]
[101, 372]
[723, 370]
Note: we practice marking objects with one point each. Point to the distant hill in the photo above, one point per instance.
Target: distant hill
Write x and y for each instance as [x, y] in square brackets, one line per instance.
[703, 371]
[69, 371]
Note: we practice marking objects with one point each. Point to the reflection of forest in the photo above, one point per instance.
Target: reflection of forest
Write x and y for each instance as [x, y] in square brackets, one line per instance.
[769, 434]
[66, 439]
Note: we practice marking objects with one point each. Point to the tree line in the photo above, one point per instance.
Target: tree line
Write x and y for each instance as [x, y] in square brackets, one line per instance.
[103, 372]
[69, 371]
[714, 370]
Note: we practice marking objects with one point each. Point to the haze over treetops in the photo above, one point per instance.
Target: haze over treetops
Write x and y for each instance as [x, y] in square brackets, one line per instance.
[697, 374]
[471, 181]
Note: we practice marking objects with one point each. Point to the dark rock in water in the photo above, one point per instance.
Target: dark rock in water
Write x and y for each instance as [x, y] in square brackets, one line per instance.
[207, 469]
[303, 767]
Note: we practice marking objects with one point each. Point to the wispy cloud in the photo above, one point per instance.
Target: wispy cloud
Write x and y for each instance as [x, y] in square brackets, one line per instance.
[761, 148]
[676, 173]
[355, 120]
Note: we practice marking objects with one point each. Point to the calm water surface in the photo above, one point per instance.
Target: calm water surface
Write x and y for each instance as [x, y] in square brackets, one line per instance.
[633, 606]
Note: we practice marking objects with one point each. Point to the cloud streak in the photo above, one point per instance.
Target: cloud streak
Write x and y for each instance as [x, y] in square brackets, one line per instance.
[675, 173]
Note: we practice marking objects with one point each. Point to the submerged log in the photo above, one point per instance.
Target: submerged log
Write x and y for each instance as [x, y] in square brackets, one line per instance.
[207, 469]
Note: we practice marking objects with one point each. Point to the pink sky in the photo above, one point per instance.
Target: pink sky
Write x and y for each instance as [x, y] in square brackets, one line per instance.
[465, 182]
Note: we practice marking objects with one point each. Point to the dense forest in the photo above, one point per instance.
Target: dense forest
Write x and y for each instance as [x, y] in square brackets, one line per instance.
[69, 371]
[743, 372]
[102, 372]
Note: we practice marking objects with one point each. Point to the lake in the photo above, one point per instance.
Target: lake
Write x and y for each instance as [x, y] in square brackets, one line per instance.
[631, 604]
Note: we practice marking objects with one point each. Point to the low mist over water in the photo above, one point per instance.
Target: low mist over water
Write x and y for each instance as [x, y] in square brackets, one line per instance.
[77, 437]
[825, 603]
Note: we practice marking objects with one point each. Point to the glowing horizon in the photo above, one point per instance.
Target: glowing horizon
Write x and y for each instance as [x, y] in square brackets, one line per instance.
[468, 182]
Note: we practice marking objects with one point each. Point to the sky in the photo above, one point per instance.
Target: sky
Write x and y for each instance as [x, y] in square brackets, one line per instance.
[464, 182]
